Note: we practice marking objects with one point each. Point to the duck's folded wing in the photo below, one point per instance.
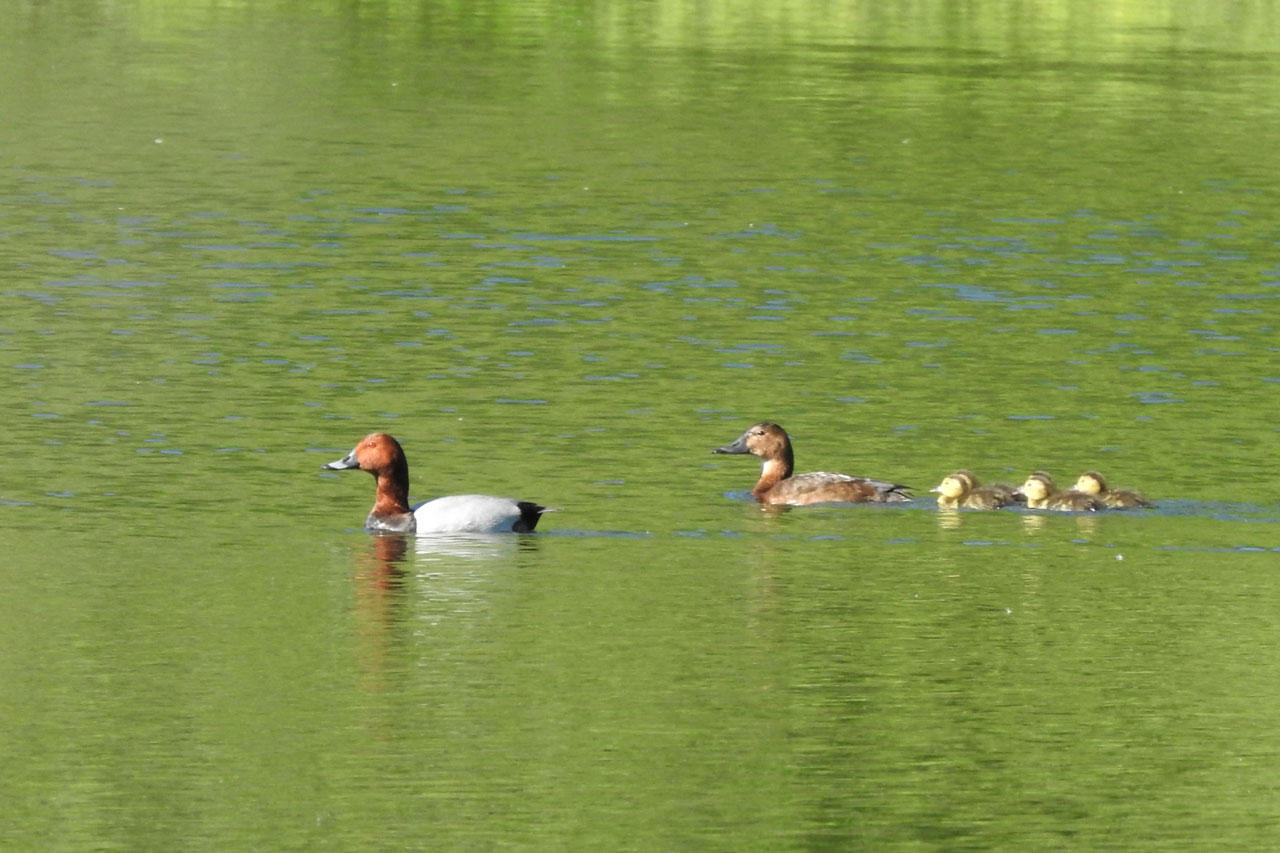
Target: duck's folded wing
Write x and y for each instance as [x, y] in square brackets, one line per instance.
[476, 514]
[827, 486]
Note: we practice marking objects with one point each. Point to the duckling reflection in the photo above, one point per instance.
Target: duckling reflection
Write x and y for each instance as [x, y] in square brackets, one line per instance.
[948, 519]
[1092, 483]
[1041, 493]
[1033, 523]
[961, 490]
[1087, 525]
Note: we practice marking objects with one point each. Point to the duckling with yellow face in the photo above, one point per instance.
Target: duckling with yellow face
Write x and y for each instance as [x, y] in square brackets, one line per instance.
[1092, 483]
[1041, 493]
[960, 490]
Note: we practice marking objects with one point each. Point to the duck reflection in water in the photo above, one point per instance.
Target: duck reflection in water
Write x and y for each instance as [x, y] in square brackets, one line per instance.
[1086, 524]
[381, 568]
[949, 520]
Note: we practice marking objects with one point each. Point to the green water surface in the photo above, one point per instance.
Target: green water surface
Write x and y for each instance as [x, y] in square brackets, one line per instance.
[562, 251]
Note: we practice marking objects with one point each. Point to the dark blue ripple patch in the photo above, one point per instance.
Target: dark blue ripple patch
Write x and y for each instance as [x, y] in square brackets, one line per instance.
[1156, 397]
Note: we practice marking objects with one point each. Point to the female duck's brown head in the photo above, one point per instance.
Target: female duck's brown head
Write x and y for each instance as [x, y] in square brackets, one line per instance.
[765, 441]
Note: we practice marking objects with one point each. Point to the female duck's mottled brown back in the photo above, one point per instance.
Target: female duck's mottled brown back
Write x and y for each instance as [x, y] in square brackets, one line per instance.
[778, 484]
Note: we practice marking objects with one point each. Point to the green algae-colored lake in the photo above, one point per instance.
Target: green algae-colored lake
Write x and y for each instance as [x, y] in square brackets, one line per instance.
[562, 252]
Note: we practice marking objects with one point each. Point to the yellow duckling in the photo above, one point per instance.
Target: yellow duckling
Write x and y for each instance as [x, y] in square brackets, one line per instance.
[1091, 483]
[1041, 493]
[1001, 491]
[960, 490]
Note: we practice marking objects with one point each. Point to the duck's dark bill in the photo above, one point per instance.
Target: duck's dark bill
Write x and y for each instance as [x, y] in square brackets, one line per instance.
[348, 461]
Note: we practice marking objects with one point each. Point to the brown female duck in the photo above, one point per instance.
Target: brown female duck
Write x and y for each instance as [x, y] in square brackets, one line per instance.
[778, 484]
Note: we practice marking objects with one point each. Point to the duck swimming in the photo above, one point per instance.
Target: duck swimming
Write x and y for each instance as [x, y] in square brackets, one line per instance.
[1041, 493]
[382, 456]
[960, 490]
[1092, 483]
[779, 485]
